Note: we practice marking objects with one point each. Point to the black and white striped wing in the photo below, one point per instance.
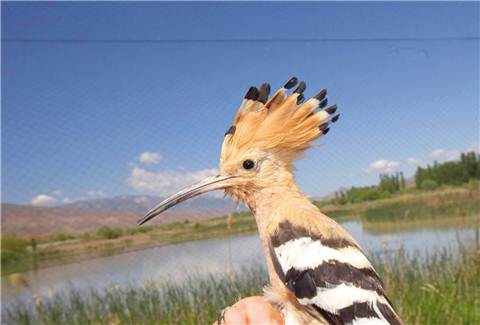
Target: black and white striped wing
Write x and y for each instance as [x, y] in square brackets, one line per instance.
[334, 277]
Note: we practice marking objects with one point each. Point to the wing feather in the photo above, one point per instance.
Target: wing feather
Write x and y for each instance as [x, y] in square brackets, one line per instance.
[331, 275]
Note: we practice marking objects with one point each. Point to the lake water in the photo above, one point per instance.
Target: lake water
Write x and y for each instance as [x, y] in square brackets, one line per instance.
[174, 262]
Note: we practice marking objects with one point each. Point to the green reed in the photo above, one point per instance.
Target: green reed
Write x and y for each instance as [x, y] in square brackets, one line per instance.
[443, 288]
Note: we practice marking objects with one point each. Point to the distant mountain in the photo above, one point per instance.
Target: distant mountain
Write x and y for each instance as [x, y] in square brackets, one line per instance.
[117, 212]
[27, 220]
[142, 203]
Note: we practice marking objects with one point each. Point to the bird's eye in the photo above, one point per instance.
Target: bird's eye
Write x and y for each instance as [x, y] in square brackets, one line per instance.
[248, 164]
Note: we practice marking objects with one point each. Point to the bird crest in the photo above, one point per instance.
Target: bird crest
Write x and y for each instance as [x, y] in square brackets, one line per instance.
[284, 124]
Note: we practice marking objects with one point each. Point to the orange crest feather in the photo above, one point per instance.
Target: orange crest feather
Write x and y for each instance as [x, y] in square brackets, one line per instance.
[282, 124]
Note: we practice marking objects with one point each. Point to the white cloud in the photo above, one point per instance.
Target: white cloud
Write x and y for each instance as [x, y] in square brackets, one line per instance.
[383, 166]
[414, 161]
[442, 155]
[150, 158]
[96, 193]
[141, 199]
[43, 200]
[166, 182]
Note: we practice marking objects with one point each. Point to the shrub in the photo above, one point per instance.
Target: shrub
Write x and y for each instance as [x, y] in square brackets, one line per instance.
[109, 233]
[137, 230]
[85, 236]
[13, 248]
[62, 237]
[13, 243]
[428, 185]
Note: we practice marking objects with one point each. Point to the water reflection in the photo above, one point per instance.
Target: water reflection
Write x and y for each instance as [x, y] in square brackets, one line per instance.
[176, 262]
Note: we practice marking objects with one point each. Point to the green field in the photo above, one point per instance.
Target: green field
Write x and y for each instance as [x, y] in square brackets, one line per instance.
[443, 289]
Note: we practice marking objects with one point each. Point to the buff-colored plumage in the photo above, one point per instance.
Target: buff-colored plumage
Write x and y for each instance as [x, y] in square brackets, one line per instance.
[282, 125]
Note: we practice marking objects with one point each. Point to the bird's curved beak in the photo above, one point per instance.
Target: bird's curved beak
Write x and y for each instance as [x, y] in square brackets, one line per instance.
[209, 184]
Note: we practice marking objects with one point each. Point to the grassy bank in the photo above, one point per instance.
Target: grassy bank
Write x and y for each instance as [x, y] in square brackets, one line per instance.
[444, 289]
[412, 205]
[409, 209]
[427, 206]
[18, 255]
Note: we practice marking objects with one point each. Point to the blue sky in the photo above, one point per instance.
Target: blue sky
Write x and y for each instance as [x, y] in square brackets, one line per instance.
[88, 87]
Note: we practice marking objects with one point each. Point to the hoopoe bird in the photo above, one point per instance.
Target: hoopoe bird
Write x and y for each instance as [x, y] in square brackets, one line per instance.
[318, 273]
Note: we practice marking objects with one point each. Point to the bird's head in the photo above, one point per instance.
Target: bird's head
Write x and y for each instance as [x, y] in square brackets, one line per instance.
[266, 136]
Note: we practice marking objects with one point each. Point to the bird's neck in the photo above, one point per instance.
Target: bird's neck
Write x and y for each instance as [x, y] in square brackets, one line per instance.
[263, 204]
[268, 193]
[267, 200]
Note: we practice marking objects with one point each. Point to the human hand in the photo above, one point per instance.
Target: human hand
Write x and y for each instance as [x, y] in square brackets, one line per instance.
[251, 310]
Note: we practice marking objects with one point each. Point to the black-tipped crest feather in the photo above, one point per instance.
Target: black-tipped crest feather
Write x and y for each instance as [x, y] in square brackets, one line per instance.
[252, 93]
[332, 109]
[323, 103]
[291, 83]
[321, 95]
[231, 130]
[301, 87]
[323, 126]
[300, 99]
[264, 92]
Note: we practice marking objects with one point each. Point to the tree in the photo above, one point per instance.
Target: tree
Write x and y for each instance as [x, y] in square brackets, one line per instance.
[451, 172]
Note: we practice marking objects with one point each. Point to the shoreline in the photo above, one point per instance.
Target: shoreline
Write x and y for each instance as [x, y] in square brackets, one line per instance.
[107, 249]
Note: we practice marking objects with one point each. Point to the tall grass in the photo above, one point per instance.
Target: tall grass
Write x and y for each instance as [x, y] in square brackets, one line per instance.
[442, 205]
[196, 301]
[443, 289]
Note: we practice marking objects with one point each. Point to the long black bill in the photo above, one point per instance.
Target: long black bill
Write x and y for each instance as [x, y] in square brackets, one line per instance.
[209, 184]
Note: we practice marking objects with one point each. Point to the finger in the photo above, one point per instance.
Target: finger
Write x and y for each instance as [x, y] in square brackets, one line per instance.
[236, 315]
[260, 311]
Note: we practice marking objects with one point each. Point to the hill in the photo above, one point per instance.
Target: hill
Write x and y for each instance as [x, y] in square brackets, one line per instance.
[142, 203]
[89, 215]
